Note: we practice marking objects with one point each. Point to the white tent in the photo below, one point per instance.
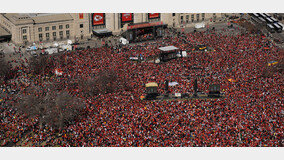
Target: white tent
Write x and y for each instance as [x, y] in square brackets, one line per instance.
[184, 54]
[200, 25]
[69, 41]
[168, 48]
[173, 83]
[123, 41]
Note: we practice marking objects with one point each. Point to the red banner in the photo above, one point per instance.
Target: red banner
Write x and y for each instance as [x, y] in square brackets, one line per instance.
[81, 15]
[98, 19]
[126, 17]
[153, 15]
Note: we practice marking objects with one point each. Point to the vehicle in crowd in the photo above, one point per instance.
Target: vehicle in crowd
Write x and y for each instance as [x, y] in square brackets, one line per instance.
[277, 27]
[270, 28]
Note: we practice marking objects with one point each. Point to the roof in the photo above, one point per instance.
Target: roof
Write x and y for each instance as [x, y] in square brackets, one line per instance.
[168, 48]
[3, 32]
[152, 84]
[53, 18]
[144, 24]
[100, 31]
[26, 18]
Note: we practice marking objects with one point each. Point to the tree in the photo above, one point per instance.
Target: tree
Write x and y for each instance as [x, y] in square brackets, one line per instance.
[5, 70]
[106, 81]
[52, 107]
[41, 64]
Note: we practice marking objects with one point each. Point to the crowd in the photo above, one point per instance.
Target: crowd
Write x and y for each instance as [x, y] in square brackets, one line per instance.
[250, 114]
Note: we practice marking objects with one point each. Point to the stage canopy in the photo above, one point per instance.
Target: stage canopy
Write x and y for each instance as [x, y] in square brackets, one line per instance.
[168, 48]
[102, 32]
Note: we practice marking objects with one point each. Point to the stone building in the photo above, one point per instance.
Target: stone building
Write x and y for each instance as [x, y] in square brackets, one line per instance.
[28, 28]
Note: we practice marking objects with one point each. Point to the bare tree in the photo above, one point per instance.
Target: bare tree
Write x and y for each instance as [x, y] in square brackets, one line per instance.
[41, 64]
[52, 107]
[5, 70]
[106, 81]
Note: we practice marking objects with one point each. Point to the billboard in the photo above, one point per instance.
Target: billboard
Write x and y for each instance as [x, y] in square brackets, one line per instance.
[153, 15]
[98, 19]
[126, 17]
[81, 15]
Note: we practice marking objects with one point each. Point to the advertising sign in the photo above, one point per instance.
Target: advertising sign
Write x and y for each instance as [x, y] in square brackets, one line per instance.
[153, 15]
[98, 19]
[126, 17]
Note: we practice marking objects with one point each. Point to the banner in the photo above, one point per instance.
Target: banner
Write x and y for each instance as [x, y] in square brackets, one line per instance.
[126, 17]
[81, 15]
[98, 19]
[153, 15]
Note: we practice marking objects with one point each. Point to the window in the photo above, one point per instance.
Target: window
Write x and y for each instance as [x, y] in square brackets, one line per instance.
[187, 18]
[53, 27]
[203, 15]
[60, 27]
[82, 36]
[47, 36]
[39, 29]
[24, 31]
[192, 17]
[40, 36]
[61, 34]
[68, 32]
[197, 17]
[46, 28]
[174, 14]
[81, 25]
[54, 34]
[24, 37]
[67, 25]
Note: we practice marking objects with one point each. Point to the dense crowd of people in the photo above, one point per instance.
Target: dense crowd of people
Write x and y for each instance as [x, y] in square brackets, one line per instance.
[250, 114]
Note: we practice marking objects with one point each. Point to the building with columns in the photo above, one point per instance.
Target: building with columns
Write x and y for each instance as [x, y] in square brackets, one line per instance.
[28, 28]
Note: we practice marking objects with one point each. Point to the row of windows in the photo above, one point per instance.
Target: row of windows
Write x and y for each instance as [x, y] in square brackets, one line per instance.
[53, 27]
[47, 35]
[192, 18]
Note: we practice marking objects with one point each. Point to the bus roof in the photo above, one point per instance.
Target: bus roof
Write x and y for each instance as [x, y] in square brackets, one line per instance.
[263, 20]
[280, 24]
[168, 48]
[267, 15]
[270, 26]
[262, 15]
[272, 18]
[276, 25]
[255, 14]
[152, 84]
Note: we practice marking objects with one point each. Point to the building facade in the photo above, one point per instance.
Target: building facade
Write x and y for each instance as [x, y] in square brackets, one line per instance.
[33, 28]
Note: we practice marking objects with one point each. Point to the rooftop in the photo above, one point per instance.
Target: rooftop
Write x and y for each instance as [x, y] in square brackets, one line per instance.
[3, 32]
[37, 18]
[168, 48]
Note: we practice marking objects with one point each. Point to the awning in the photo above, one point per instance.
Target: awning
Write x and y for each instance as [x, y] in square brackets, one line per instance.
[151, 84]
[102, 32]
[143, 25]
[168, 48]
